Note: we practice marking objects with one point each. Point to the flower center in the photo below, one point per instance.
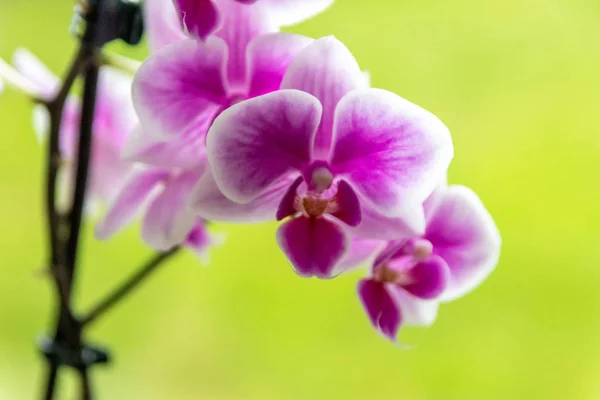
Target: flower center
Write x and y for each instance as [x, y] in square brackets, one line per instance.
[421, 249]
[322, 179]
[385, 274]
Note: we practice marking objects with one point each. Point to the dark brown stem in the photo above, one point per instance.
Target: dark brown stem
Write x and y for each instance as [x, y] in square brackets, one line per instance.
[128, 286]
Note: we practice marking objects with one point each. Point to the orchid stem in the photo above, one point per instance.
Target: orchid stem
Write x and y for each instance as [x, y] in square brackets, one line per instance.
[128, 286]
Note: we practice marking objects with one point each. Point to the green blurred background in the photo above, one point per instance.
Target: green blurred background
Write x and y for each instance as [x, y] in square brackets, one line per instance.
[517, 82]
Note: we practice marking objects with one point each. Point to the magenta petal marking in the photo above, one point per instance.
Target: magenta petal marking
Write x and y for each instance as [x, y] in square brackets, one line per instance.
[464, 234]
[256, 142]
[198, 17]
[391, 151]
[181, 87]
[348, 203]
[313, 245]
[429, 278]
[269, 57]
[327, 70]
[287, 206]
[381, 308]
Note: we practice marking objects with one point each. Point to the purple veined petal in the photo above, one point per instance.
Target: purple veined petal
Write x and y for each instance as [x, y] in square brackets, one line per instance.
[362, 252]
[415, 311]
[349, 205]
[327, 70]
[377, 226]
[392, 151]
[137, 189]
[383, 311]
[287, 206]
[181, 86]
[268, 59]
[428, 278]
[186, 152]
[464, 234]
[289, 12]
[314, 246]
[258, 141]
[198, 18]
[162, 24]
[241, 24]
[169, 219]
[391, 250]
[45, 82]
[208, 202]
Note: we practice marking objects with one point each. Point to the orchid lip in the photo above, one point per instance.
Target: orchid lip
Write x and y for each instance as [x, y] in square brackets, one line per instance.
[386, 274]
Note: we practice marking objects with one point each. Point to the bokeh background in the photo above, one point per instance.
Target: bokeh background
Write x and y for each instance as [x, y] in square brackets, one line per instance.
[517, 82]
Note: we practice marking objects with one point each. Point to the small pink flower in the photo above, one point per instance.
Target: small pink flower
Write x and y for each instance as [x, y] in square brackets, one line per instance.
[113, 120]
[458, 251]
[335, 156]
[199, 18]
[167, 222]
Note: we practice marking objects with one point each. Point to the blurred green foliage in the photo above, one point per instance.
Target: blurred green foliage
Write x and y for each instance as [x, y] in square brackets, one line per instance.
[517, 82]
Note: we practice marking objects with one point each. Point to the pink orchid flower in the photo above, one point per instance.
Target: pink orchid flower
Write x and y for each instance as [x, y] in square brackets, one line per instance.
[180, 89]
[335, 156]
[199, 18]
[167, 222]
[114, 118]
[457, 252]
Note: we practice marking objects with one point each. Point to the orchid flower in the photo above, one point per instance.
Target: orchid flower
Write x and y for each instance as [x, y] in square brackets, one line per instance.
[162, 194]
[335, 156]
[180, 89]
[458, 251]
[200, 18]
[113, 120]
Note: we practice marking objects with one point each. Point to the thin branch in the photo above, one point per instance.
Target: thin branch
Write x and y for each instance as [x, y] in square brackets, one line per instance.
[83, 159]
[128, 286]
[51, 382]
[86, 386]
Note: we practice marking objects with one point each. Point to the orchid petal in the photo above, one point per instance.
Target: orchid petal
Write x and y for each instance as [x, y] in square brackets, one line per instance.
[377, 226]
[392, 151]
[186, 152]
[464, 234]
[208, 202]
[168, 219]
[327, 70]
[428, 278]
[162, 24]
[268, 59]
[198, 18]
[415, 311]
[348, 204]
[313, 245]
[135, 192]
[254, 143]
[383, 312]
[241, 24]
[46, 83]
[361, 252]
[181, 87]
